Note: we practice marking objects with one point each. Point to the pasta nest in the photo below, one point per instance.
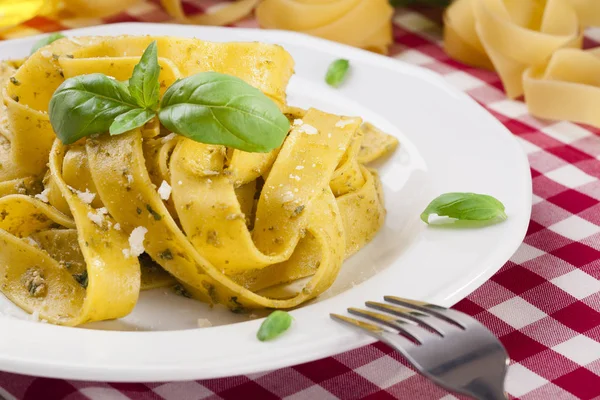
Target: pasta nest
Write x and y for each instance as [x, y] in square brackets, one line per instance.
[229, 227]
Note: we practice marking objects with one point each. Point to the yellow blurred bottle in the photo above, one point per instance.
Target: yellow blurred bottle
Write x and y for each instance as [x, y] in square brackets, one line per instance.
[13, 12]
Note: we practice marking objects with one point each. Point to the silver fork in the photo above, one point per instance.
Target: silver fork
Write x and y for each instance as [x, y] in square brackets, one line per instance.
[448, 347]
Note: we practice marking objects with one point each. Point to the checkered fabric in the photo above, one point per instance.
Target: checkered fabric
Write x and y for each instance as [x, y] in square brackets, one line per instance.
[544, 304]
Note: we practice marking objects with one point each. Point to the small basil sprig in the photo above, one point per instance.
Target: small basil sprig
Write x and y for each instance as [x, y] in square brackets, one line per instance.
[466, 207]
[337, 71]
[143, 84]
[45, 41]
[274, 325]
[207, 107]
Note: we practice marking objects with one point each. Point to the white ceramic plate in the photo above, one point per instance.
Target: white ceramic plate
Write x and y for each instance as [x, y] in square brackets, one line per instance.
[448, 143]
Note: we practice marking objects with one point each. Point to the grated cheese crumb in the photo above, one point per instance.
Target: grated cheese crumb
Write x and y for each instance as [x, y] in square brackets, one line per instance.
[127, 253]
[298, 122]
[314, 165]
[287, 196]
[299, 167]
[95, 218]
[209, 180]
[343, 122]
[164, 191]
[308, 129]
[168, 138]
[329, 135]
[117, 226]
[46, 53]
[31, 241]
[129, 179]
[43, 196]
[136, 241]
[180, 183]
[102, 211]
[87, 197]
[296, 177]
[204, 323]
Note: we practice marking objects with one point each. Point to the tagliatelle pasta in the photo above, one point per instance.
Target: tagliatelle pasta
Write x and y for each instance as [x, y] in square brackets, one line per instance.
[228, 225]
[567, 88]
[536, 49]
[510, 35]
[361, 23]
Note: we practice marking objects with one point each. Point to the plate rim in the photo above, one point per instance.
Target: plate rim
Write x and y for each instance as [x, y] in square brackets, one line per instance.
[54, 368]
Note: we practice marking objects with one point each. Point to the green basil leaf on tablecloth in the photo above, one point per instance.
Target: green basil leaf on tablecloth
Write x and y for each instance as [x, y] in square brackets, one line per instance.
[215, 108]
[465, 207]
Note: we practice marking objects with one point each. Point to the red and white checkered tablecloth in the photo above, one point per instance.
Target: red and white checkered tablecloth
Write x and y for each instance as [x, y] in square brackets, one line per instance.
[544, 304]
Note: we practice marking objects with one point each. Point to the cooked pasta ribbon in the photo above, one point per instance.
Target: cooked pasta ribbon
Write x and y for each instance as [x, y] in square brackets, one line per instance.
[361, 23]
[236, 224]
[511, 36]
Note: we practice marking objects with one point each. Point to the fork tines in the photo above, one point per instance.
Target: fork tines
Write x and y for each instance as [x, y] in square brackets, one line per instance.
[413, 319]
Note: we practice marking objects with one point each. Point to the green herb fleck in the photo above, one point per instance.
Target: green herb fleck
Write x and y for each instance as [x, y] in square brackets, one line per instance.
[138, 210]
[274, 325]
[166, 255]
[82, 278]
[14, 81]
[181, 291]
[336, 73]
[156, 215]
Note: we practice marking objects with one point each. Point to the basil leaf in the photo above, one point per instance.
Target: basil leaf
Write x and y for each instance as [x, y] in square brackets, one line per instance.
[46, 41]
[130, 120]
[143, 84]
[336, 73]
[215, 108]
[465, 207]
[87, 104]
[274, 325]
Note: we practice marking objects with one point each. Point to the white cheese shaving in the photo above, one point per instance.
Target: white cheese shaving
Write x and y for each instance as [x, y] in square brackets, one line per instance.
[44, 195]
[102, 211]
[129, 179]
[117, 226]
[95, 218]
[164, 191]
[343, 122]
[31, 241]
[136, 241]
[298, 122]
[87, 197]
[46, 53]
[168, 138]
[308, 129]
[287, 196]
[204, 323]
